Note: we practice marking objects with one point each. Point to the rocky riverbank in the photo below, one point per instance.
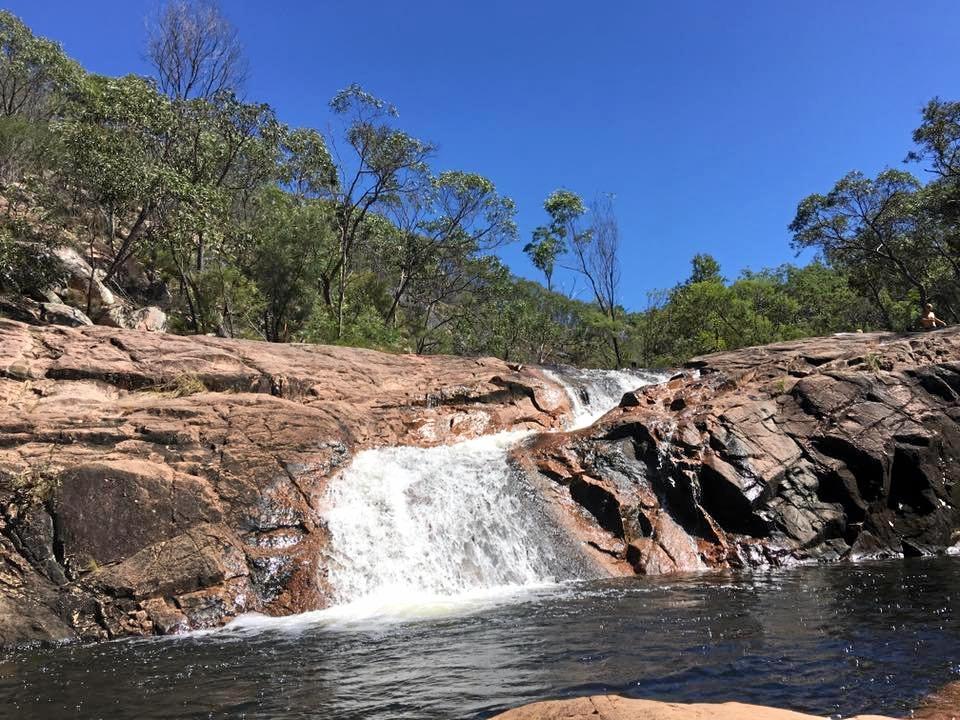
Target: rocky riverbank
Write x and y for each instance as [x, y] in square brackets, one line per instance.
[842, 447]
[151, 483]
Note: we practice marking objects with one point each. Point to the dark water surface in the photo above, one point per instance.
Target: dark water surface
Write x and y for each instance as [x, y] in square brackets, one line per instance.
[827, 640]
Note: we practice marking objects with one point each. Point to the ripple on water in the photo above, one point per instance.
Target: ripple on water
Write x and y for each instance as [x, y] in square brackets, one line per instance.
[856, 638]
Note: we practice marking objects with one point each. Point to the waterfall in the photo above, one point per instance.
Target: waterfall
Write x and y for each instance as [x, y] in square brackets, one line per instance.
[438, 521]
[411, 524]
[593, 393]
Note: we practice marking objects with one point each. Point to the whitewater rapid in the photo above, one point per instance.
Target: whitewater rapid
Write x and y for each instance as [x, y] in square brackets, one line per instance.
[429, 524]
[436, 521]
[420, 532]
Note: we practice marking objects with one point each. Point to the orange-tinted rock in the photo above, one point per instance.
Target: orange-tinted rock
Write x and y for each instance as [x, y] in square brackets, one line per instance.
[151, 483]
[612, 707]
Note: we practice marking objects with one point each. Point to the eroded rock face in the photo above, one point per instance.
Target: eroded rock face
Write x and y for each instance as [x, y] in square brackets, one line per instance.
[152, 483]
[822, 449]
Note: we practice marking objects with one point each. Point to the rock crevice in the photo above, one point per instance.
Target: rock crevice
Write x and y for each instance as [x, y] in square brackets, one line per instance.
[821, 449]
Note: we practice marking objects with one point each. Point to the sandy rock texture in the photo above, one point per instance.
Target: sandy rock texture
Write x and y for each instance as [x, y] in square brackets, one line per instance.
[613, 707]
[943, 705]
[151, 483]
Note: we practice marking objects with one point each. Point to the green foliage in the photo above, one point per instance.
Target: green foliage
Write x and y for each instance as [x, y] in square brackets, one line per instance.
[27, 267]
[182, 193]
[37, 483]
[34, 72]
[705, 268]
[183, 385]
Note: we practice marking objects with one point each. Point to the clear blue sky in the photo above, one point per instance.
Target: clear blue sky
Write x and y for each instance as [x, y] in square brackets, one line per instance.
[708, 120]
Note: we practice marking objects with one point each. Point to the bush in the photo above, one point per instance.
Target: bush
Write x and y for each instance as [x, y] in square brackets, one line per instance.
[28, 268]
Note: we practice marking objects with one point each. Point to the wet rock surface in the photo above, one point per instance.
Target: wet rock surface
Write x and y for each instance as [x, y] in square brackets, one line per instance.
[842, 447]
[151, 483]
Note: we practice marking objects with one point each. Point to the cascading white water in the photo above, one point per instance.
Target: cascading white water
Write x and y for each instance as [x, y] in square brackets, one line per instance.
[437, 521]
[593, 393]
[410, 525]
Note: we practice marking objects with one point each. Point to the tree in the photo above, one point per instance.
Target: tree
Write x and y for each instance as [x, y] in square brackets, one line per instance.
[938, 138]
[113, 145]
[455, 216]
[704, 268]
[195, 51]
[388, 167]
[551, 242]
[544, 250]
[863, 222]
[938, 143]
[290, 236]
[35, 77]
[596, 257]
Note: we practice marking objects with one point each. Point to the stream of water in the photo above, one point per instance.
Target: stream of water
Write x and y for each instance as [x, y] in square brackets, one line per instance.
[456, 597]
[822, 639]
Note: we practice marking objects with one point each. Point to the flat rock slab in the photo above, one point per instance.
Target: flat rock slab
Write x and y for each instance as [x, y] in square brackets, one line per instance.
[612, 707]
[942, 705]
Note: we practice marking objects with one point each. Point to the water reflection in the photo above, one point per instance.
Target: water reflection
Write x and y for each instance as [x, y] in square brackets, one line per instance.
[865, 638]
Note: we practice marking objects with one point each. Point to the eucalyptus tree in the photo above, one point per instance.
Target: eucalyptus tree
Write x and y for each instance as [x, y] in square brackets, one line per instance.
[453, 218]
[550, 242]
[596, 256]
[863, 222]
[35, 78]
[588, 241]
[113, 137]
[223, 152]
[938, 144]
[194, 50]
[386, 166]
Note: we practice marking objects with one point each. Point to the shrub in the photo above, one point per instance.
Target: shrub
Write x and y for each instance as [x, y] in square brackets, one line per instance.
[28, 268]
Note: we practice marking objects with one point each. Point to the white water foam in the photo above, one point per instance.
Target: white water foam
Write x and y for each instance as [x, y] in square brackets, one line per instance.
[593, 393]
[425, 532]
[380, 609]
[413, 524]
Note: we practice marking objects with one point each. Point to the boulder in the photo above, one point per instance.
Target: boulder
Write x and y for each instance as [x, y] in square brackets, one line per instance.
[60, 314]
[820, 449]
[82, 281]
[150, 318]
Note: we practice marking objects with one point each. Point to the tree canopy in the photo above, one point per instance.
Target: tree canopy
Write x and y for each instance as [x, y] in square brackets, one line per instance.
[180, 191]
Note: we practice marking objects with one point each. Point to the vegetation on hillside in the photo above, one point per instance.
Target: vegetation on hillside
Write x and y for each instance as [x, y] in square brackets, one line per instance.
[183, 194]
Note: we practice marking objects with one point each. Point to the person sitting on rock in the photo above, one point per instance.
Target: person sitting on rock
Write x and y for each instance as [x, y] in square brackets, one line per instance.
[929, 320]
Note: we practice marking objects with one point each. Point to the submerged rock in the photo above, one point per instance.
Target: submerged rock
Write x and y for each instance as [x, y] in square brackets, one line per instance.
[832, 448]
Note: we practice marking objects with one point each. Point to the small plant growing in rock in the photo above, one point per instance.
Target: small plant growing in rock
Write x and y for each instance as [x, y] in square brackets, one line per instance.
[37, 483]
[872, 361]
[183, 385]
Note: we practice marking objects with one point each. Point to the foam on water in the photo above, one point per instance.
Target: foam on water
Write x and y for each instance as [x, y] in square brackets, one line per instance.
[593, 393]
[409, 526]
[386, 608]
[425, 532]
